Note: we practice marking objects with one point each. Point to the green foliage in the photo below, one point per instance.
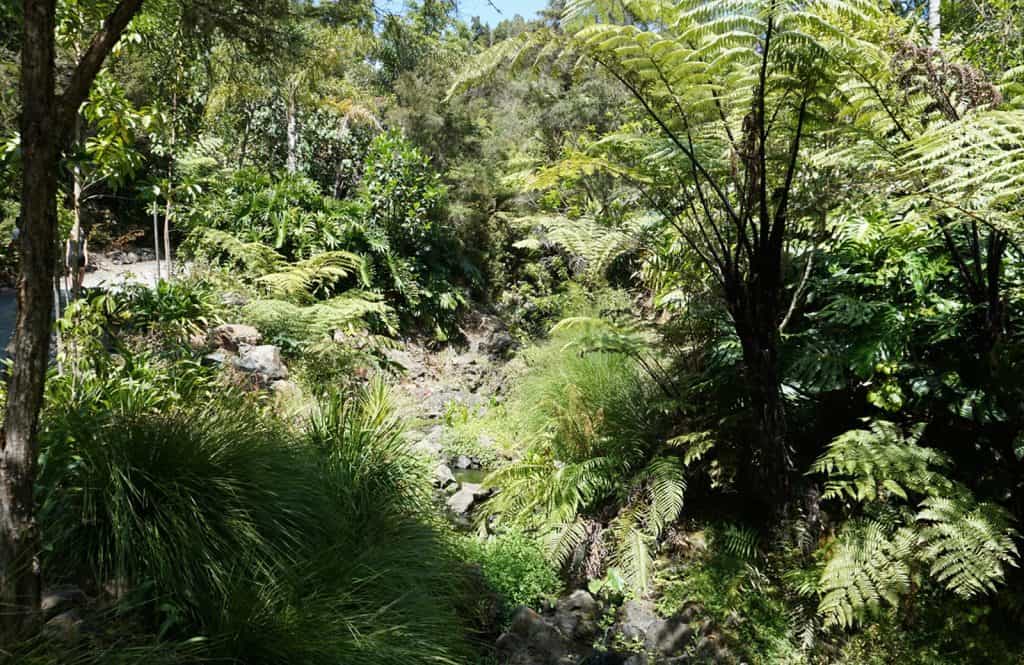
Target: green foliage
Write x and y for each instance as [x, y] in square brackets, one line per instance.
[965, 544]
[277, 544]
[514, 564]
[591, 421]
[286, 212]
[732, 588]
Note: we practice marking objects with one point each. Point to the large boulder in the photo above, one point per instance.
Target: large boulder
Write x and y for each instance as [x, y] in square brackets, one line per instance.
[636, 618]
[468, 496]
[232, 336]
[576, 615]
[531, 640]
[264, 361]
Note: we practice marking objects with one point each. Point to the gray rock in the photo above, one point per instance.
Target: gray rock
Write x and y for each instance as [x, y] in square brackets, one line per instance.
[231, 336]
[119, 258]
[216, 358]
[61, 599]
[636, 618]
[262, 360]
[443, 476]
[576, 615]
[468, 496]
[463, 462]
[500, 344]
[66, 626]
[430, 444]
[531, 640]
[669, 638]
[412, 365]
[234, 300]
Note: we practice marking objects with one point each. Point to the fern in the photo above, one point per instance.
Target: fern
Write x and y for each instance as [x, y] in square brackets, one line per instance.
[868, 464]
[304, 280]
[967, 544]
[867, 566]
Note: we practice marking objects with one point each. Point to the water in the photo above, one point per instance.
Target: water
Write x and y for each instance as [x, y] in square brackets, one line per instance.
[475, 476]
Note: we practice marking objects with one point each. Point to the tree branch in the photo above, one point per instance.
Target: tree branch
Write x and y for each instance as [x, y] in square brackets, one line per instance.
[89, 66]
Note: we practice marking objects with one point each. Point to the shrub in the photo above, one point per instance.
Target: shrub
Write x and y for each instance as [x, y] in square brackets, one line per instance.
[515, 565]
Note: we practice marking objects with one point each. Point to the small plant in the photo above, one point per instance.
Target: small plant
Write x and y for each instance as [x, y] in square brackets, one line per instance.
[515, 566]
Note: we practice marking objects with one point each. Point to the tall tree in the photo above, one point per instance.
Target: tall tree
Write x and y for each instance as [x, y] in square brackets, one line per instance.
[47, 127]
[47, 121]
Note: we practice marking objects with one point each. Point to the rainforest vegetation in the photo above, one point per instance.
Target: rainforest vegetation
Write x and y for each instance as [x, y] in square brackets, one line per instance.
[626, 331]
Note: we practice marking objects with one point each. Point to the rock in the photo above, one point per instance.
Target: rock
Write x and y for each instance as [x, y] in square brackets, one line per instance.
[232, 336]
[262, 360]
[413, 367]
[430, 444]
[530, 640]
[216, 358]
[61, 599]
[120, 258]
[576, 615]
[468, 496]
[443, 476]
[234, 300]
[66, 626]
[636, 618]
[500, 344]
[464, 462]
[669, 638]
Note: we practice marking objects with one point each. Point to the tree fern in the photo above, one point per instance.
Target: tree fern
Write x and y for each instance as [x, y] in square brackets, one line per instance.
[304, 280]
[868, 464]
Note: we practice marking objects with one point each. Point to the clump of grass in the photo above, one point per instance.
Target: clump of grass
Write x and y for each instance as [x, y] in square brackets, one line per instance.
[278, 545]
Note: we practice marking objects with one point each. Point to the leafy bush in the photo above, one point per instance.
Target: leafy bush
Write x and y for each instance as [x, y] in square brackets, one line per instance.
[285, 211]
[515, 566]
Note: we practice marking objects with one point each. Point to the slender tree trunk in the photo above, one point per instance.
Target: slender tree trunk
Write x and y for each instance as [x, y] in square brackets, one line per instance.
[74, 262]
[293, 135]
[169, 209]
[156, 239]
[245, 139]
[19, 537]
[935, 21]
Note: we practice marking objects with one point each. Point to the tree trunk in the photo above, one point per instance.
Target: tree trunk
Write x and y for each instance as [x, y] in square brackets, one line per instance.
[19, 537]
[935, 21]
[771, 465]
[156, 239]
[293, 135]
[46, 124]
[169, 209]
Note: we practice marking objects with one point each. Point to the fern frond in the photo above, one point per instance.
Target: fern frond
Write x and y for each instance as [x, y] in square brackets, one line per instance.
[868, 464]
[868, 567]
[968, 544]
